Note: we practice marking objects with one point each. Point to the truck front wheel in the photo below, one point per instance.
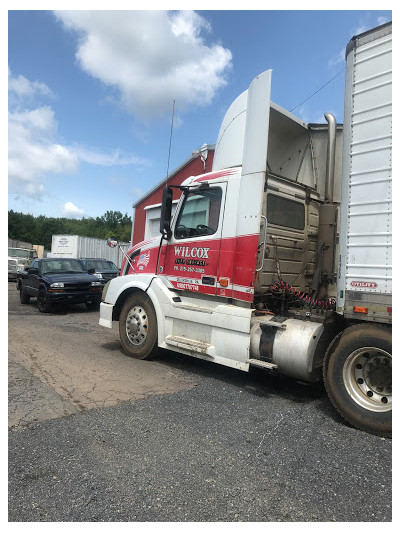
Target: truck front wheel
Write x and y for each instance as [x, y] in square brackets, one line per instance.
[358, 378]
[138, 327]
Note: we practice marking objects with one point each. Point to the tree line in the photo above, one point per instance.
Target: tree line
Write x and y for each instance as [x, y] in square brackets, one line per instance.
[38, 230]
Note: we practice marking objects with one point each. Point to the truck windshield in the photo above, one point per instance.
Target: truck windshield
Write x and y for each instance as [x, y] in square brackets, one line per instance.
[62, 266]
[19, 252]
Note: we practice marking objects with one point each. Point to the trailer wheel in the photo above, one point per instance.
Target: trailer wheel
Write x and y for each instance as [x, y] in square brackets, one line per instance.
[138, 327]
[358, 378]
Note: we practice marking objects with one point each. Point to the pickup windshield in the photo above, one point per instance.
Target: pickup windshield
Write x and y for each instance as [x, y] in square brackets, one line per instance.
[61, 266]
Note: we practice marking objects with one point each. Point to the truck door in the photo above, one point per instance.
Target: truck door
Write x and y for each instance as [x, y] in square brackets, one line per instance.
[190, 259]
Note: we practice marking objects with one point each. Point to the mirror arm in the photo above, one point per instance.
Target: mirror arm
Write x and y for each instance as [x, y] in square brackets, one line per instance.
[112, 243]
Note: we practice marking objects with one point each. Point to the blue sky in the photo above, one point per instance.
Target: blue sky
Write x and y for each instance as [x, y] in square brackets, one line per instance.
[91, 92]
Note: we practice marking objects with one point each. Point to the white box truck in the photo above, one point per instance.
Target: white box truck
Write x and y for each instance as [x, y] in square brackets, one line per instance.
[258, 267]
[78, 246]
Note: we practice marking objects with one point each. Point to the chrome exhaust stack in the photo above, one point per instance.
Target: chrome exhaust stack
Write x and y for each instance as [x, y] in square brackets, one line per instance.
[330, 157]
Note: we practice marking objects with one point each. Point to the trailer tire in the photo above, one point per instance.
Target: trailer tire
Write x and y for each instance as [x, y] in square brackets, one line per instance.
[138, 327]
[358, 377]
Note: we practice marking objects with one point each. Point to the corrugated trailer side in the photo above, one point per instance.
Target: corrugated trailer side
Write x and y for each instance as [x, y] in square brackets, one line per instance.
[80, 246]
[365, 242]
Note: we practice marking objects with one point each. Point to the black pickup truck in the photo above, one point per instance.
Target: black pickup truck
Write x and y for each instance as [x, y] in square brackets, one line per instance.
[57, 281]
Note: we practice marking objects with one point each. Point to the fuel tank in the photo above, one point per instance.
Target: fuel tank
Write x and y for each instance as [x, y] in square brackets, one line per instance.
[291, 344]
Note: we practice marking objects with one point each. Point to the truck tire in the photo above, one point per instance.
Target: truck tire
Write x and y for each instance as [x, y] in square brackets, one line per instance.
[138, 327]
[42, 302]
[358, 377]
[23, 295]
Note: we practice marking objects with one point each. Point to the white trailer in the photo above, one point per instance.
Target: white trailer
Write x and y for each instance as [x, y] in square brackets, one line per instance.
[78, 246]
[251, 271]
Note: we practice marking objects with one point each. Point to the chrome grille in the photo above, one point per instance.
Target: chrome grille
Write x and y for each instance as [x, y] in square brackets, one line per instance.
[12, 265]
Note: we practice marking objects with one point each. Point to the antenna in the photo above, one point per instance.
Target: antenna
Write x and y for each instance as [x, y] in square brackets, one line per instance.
[170, 141]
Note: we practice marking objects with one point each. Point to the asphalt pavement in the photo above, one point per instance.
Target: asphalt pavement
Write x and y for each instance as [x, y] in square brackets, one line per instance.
[234, 447]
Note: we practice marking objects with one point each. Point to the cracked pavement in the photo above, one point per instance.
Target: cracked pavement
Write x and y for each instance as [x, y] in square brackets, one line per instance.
[64, 362]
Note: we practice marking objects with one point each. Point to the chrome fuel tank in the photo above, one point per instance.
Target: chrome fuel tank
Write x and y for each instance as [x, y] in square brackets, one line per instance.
[290, 343]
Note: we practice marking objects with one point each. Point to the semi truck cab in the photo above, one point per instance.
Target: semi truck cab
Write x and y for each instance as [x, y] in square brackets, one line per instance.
[245, 273]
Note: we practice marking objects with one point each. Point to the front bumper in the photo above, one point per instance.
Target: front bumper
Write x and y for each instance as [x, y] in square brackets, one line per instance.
[55, 296]
[106, 311]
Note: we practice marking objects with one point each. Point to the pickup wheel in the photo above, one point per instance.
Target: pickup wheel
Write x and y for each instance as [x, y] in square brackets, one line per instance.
[42, 303]
[138, 327]
[358, 378]
[23, 295]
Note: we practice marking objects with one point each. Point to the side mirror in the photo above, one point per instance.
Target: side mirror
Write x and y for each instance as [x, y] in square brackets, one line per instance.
[91, 271]
[112, 242]
[33, 270]
[166, 210]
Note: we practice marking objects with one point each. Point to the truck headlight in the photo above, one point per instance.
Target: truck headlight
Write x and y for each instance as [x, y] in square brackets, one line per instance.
[57, 285]
[95, 283]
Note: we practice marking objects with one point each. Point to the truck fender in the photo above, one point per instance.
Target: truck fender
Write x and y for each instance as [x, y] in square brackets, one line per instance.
[139, 286]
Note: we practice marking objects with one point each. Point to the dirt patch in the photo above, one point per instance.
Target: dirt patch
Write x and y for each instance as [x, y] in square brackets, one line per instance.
[61, 364]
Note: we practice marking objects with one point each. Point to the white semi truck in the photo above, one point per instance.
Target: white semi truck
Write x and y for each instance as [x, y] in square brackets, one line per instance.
[280, 258]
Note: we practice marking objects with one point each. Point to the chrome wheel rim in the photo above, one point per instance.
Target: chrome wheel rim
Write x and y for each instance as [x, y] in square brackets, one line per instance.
[136, 325]
[367, 376]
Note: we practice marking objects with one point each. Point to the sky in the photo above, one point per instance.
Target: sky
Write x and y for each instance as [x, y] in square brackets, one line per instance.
[90, 93]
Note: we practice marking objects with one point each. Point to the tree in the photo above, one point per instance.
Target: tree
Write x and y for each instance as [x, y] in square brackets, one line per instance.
[39, 230]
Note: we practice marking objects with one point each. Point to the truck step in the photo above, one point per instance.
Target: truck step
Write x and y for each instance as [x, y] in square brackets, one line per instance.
[190, 344]
[263, 364]
[191, 307]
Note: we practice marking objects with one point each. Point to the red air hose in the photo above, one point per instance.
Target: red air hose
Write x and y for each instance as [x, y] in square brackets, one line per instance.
[329, 303]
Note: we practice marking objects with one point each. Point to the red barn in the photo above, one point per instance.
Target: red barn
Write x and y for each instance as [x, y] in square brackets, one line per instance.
[147, 210]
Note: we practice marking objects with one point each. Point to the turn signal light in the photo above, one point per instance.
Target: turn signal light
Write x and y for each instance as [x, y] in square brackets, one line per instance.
[360, 310]
[224, 282]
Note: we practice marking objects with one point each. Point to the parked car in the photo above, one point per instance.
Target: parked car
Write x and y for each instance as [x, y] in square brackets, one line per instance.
[57, 281]
[104, 269]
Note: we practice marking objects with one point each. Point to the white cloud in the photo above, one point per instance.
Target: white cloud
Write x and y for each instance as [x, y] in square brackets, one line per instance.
[34, 151]
[70, 210]
[21, 87]
[382, 20]
[115, 158]
[150, 57]
[338, 59]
